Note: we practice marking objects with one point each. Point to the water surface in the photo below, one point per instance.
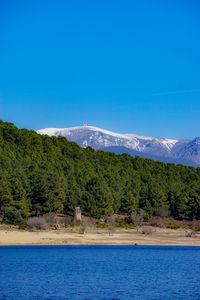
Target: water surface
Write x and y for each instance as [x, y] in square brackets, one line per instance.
[99, 272]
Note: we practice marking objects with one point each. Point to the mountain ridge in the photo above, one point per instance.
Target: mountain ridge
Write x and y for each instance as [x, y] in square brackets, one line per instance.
[177, 151]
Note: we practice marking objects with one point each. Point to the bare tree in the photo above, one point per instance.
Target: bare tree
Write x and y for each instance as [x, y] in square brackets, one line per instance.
[111, 230]
[111, 226]
[86, 225]
[137, 217]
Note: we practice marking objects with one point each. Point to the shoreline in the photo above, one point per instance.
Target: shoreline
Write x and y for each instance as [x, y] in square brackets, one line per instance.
[160, 237]
[103, 245]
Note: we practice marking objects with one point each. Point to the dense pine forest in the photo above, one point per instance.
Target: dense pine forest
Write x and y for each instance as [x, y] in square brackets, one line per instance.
[42, 174]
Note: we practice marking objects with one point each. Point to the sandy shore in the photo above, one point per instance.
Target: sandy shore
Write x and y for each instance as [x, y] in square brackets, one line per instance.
[10, 236]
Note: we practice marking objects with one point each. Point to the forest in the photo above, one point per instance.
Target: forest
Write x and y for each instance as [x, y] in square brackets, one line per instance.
[42, 175]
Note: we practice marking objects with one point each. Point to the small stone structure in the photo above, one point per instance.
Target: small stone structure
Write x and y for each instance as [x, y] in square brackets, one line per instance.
[77, 214]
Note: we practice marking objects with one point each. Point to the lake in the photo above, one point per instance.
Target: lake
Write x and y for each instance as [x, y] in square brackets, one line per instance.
[99, 272]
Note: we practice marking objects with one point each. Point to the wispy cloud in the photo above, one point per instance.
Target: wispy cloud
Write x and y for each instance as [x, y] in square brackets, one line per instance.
[176, 92]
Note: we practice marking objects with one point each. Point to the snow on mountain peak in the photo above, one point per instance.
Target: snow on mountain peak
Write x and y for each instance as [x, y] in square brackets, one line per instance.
[179, 151]
[97, 138]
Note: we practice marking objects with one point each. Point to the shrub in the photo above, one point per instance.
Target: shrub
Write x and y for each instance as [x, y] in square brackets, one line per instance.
[193, 225]
[37, 223]
[185, 224]
[190, 234]
[50, 219]
[171, 225]
[157, 222]
[68, 220]
[196, 228]
[121, 223]
[147, 230]
[102, 225]
[131, 226]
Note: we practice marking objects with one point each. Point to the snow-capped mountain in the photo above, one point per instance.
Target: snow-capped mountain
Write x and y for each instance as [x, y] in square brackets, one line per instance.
[168, 150]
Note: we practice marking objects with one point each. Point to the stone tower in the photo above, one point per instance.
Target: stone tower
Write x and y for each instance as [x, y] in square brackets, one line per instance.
[77, 214]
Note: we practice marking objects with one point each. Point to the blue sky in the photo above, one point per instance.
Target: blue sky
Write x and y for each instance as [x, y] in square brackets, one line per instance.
[126, 66]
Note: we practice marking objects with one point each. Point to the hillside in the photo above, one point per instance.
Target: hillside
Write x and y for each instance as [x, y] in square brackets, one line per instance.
[41, 174]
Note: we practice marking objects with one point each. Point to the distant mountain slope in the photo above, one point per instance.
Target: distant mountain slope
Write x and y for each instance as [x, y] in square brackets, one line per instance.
[168, 150]
[121, 150]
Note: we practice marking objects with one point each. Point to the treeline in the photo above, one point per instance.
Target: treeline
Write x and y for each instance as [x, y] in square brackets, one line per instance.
[42, 174]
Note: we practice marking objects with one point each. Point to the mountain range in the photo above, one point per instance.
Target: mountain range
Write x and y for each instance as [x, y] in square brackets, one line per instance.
[185, 152]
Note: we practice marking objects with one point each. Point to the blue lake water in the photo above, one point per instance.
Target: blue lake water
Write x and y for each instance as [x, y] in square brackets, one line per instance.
[99, 272]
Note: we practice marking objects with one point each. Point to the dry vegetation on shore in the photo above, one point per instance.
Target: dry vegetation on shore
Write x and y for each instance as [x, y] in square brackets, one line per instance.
[10, 235]
[113, 230]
